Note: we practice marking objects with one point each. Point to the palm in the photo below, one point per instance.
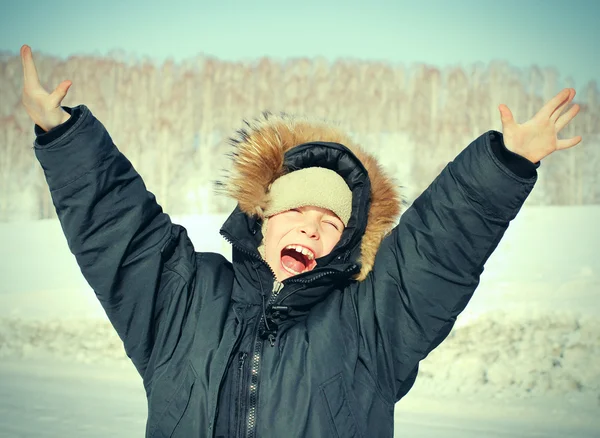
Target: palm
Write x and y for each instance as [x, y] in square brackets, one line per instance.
[537, 138]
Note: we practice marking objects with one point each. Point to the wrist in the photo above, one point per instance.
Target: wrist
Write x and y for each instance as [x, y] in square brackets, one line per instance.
[65, 117]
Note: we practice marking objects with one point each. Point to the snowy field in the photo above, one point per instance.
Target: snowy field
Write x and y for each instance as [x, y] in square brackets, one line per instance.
[523, 361]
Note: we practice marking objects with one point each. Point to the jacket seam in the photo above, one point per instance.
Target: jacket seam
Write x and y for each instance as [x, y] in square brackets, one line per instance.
[374, 380]
[162, 241]
[175, 271]
[473, 200]
[95, 167]
[322, 386]
[149, 383]
[329, 415]
[172, 398]
[173, 267]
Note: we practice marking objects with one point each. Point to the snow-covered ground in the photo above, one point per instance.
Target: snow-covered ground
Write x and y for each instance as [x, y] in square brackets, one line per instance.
[522, 361]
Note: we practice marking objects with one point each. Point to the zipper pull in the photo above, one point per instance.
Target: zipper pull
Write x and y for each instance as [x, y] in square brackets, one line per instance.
[241, 358]
[279, 312]
[277, 286]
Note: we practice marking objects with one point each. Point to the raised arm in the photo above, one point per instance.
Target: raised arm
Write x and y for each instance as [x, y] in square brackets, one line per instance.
[428, 268]
[138, 263]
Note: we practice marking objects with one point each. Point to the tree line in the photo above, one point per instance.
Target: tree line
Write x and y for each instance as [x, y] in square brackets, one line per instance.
[173, 120]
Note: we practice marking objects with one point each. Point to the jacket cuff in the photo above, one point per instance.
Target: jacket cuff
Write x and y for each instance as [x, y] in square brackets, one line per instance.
[72, 149]
[45, 137]
[488, 182]
[517, 164]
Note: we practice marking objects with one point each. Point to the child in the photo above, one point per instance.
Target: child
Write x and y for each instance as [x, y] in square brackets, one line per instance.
[317, 327]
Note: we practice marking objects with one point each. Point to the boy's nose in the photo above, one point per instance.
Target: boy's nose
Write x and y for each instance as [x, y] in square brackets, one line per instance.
[310, 230]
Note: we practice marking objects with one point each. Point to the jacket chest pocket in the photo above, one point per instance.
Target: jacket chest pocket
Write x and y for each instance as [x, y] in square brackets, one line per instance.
[177, 405]
[337, 406]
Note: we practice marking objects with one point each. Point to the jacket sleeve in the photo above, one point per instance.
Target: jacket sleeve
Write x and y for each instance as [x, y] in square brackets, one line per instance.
[427, 269]
[138, 263]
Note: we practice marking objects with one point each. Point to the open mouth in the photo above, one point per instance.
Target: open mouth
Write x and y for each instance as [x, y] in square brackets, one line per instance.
[297, 259]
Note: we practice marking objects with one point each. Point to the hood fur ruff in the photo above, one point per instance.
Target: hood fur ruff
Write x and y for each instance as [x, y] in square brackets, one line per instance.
[259, 160]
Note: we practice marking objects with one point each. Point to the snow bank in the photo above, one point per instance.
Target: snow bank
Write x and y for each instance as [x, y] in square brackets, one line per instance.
[79, 340]
[497, 355]
[510, 354]
[510, 342]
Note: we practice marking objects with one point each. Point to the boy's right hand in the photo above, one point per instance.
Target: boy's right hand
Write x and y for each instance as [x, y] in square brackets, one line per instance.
[43, 108]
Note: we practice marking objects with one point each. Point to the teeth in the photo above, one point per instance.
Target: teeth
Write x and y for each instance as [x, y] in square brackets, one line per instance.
[305, 251]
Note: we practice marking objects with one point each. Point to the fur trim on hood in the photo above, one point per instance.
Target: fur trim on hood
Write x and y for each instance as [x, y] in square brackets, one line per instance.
[259, 160]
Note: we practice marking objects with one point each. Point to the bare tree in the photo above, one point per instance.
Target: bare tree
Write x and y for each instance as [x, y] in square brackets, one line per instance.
[172, 119]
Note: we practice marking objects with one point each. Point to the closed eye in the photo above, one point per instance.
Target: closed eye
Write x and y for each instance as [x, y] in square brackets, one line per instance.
[333, 224]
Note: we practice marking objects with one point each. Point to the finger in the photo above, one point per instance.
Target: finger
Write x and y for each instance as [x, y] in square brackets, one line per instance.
[506, 116]
[29, 71]
[568, 143]
[556, 114]
[548, 109]
[567, 117]
[60, 92]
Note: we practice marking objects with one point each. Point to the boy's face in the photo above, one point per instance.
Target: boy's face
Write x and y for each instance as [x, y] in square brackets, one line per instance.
[296, 238]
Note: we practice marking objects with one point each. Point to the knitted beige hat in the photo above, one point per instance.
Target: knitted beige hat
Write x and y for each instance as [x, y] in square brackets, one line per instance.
[314, 186]
[311, 186]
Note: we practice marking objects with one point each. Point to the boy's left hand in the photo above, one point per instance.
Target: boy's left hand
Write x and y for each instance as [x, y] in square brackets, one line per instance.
[537, 138]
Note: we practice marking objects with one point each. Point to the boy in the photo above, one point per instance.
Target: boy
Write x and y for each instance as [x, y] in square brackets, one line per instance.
[317, 327]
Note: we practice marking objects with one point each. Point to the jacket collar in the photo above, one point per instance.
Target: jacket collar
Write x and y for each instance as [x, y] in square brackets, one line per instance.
[255, 280]
[334, 271]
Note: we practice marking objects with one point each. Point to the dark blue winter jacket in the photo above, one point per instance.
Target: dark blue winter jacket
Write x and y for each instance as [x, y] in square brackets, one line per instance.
[223, 349]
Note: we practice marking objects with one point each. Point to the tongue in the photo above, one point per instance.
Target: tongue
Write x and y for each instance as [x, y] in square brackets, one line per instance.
[293, 263]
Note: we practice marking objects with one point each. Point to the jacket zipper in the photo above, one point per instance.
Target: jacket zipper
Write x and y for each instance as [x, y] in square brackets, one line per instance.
[250, 421]
[255, 366]
[241, 393]
[255, 363]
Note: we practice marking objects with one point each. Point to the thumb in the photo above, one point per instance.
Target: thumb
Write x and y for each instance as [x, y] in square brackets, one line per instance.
[60, 92]
[506, 116]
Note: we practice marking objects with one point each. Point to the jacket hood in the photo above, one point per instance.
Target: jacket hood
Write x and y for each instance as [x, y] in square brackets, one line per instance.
[271, 146]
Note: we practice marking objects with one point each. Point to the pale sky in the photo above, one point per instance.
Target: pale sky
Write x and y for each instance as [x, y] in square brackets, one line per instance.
[563, 34]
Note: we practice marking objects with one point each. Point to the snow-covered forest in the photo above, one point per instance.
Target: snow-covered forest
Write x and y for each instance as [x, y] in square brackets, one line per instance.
[173, 120]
